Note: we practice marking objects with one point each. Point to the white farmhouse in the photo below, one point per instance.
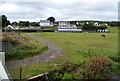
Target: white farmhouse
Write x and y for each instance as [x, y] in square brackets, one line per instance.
[45, 23]
[64, 23]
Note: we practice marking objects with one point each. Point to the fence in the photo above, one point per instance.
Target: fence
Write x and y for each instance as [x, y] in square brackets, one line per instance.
[3, 74]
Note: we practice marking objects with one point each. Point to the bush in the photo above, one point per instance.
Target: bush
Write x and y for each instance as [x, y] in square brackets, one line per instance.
[115, 58]
[8, 39]
[68, 76]
[47, 30]
[24, 47]
[64, 72]
[23, 51]
[102, 27]
[89, 26]
[28, 30]
[68, 67]
[95, 66]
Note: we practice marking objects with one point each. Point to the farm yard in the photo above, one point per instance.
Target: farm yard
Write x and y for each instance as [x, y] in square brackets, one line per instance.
[81, 50]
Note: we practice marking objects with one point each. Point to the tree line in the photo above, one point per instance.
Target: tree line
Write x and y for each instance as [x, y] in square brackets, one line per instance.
[91, 26]
[5, 22]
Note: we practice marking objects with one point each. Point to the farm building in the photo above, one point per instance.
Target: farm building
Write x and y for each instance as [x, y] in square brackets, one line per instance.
[69, 29]
[45, 23]
[64, 23]
[9, 27]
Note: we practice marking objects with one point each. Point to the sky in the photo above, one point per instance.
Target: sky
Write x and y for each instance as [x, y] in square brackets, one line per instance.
[62, 10]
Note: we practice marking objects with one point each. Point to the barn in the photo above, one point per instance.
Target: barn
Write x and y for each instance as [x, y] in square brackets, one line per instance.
[69, 29]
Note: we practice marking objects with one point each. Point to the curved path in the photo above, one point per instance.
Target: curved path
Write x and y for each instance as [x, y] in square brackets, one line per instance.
[53, 52]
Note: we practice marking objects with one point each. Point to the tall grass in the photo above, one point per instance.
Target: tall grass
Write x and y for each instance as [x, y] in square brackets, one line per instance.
[25, 47]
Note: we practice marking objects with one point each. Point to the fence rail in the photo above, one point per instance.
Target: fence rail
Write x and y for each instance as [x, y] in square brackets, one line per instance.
[3, 74]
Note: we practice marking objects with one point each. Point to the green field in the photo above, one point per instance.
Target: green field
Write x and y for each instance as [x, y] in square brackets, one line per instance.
[77, 47]
[83, 42]
[113, 29]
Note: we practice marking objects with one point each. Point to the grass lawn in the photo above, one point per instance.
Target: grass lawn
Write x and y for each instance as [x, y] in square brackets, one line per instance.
[113, 29]
[77, 47]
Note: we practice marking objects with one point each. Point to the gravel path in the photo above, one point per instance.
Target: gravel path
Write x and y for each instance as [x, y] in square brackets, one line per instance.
[53, 52]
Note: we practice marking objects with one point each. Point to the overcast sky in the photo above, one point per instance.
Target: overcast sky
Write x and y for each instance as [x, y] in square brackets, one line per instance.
[62, 10]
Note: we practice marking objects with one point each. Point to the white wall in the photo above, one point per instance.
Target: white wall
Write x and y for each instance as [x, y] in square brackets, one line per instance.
[3, 74]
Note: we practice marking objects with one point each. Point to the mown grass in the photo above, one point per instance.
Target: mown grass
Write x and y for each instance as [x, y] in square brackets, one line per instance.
[80, 48]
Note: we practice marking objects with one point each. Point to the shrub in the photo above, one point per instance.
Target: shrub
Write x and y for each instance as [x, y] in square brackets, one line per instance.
[95, 66]
[89, 26]
[115, 58]
[63, 72]
[67, 76]
[8, 39]
[24, 47]
[68, 67]
[23, 51]
[47, 30]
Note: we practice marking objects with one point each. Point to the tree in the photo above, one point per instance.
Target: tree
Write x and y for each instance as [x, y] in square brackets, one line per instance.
[115, 23]
[89, 26]
[4, 21]
[15, 23]
[52, 19]
[102, 27]
[24, 23]
[34, 24]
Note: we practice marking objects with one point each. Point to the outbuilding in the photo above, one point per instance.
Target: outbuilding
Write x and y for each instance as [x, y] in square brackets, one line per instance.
[69, 29]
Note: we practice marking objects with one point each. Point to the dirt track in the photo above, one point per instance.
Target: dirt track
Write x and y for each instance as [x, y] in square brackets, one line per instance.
[53, 52]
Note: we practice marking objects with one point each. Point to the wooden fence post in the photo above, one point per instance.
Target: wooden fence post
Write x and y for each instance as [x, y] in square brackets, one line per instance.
[89, 52]
[20, 73]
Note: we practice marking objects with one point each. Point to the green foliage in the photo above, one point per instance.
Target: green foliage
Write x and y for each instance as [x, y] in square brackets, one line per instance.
[4, 20]
[64, 72]
[28, 30]
[89, 26]
[114, 23]
[95, 66]
[68, 67]
[84, 41]
[24, 23]
[67, 76]
[49, 28]
[81, 64]
[115, 58]
[23, 51]
[102, 27]
[8, 39]
[24, 47]
[34, 24]
[52, 19]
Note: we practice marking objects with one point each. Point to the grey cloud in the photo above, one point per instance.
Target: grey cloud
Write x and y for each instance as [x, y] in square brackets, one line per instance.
[65, 11]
